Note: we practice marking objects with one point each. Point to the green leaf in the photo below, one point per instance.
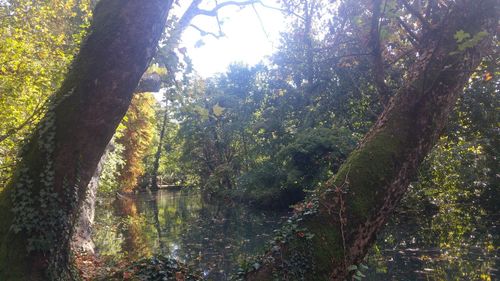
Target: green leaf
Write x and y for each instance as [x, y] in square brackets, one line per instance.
[352, 267]
[360, 274]
[461, 35]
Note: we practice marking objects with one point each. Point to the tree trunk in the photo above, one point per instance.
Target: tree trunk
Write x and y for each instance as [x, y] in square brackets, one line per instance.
[156, 164]
[39, 209]
[82, 234]
[345, 215]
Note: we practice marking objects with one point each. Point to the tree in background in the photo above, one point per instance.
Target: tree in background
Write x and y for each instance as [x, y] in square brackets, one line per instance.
[344, 216]
[136, 140]
[332, 231]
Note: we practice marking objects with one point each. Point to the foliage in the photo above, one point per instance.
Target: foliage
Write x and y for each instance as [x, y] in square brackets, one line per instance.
[156, 268]
[315, 155]
[265, 134]
[39, 39]
[108, 180]
[138, 132]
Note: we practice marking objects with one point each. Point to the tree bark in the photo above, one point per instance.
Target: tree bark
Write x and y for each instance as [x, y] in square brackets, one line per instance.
[39, 208]
[150, 82]
[345, 215]
[82, 234]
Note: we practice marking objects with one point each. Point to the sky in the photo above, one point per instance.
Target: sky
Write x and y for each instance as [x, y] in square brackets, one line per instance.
[246, 40]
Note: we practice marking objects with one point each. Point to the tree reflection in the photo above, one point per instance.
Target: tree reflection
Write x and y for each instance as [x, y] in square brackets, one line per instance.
[425, 240]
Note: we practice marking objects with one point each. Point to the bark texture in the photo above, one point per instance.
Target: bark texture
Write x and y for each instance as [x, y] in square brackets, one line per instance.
[40, 207]
[82, 234]
[355, 205]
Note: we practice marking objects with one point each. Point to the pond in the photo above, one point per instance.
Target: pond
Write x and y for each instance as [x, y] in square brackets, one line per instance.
[215, 237]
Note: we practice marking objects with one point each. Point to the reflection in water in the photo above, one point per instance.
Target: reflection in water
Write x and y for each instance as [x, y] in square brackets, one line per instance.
[212, 237]
[454, 244]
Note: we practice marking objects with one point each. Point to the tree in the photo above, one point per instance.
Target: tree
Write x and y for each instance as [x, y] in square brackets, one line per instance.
[330, 233]
[343, 217]
[136, 139]
[40, 206]
[168, 57]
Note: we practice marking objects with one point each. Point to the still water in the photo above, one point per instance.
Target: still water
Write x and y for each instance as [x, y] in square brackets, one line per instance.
[215, 237]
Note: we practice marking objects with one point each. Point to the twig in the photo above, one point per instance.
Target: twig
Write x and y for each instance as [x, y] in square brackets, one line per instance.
[260, 21]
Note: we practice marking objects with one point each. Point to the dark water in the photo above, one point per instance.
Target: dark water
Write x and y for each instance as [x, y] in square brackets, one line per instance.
[216, 237]
[213, 237]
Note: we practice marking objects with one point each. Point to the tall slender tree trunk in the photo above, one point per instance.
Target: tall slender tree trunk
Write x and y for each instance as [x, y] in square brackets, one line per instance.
[39, 208]
[156, 164]
[351, 208]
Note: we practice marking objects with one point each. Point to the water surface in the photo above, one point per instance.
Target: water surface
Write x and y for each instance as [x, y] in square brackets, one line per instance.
[215, 237]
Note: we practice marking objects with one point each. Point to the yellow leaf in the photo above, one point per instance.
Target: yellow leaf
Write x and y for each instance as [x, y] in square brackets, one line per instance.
[487, 76]
[218, 110]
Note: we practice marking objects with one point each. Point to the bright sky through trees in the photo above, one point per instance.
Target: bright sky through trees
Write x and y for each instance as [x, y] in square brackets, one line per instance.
[251, 34]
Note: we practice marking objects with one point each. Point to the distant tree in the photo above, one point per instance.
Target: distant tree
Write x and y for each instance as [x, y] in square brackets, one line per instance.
[139, 128]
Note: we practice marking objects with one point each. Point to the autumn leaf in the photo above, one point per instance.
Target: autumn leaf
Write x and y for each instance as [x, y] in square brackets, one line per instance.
[218, 110]
[487, 76]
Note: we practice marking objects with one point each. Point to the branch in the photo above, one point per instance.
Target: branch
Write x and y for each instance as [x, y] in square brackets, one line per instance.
[260, 21]
[378, 61]
[401, 55]
[205, 33]
[219, 25]
[26, 122]
[416, 14]
[414, 39]
[213, 12]
[288, 11]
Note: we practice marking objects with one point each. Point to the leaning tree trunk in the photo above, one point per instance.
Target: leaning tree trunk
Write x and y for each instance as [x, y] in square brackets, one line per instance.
[338, 226]
[82, 233]
[39, 208]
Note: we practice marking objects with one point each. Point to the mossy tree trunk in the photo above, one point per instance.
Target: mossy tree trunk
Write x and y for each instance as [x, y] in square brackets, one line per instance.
[337, 227]
[39, 208]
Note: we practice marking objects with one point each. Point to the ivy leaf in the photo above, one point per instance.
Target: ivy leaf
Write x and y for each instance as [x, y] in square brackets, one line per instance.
[461, 35]
[352, 267]
[360, 274]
